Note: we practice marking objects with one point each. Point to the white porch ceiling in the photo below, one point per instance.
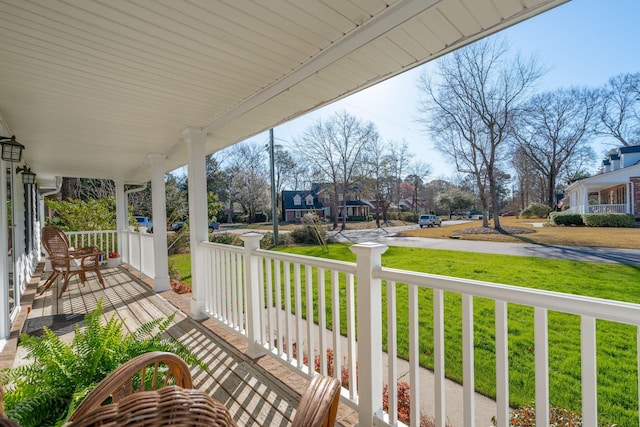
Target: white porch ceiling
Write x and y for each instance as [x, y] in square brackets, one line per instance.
[90, 87]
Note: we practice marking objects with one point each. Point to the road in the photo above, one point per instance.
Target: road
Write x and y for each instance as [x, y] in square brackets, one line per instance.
[389, 237]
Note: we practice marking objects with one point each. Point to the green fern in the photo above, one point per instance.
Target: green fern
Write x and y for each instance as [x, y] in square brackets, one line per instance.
[46, 391]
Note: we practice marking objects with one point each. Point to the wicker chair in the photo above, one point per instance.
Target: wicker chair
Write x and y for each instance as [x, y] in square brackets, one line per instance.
[168, 406]
[319, 404]
[66, 262]
[120, 383]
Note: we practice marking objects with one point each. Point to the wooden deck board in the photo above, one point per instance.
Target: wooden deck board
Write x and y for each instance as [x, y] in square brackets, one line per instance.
[253, 395]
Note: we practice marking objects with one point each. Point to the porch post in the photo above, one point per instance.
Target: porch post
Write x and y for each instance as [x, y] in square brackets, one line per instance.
[5, 322]
[122, 220]
[159, 210]
[195, 139]
[252, 289]
[627, 197]
[369, 303]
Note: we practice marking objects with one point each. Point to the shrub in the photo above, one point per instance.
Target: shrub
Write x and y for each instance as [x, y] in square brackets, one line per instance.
[608, 220]
[561, 218]
[408, 217]
[225, 238]
[260, 217]
[60, 375]
[536, 210]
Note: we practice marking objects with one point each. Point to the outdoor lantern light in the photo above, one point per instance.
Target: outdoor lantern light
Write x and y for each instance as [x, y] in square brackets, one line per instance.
[28, 177]
[11, 149]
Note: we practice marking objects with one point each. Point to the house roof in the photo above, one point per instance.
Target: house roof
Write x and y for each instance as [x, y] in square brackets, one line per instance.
[288, 200]
[632, 149]
[92, 89]
[607, 179]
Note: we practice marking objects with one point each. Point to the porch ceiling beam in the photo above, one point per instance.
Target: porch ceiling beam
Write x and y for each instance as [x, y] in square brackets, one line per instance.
[397, 14]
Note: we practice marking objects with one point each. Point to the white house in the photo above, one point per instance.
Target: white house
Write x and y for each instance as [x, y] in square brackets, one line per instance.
[615, 190]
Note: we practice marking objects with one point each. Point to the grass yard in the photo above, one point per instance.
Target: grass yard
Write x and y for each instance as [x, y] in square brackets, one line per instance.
[608, 237]
[616, 352]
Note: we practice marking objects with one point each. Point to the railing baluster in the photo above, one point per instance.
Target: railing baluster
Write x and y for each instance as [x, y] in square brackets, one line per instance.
[351, 334]
[298, 305]
[502, 364]
[308, 271]
[227, 293]
[322, 323]
[288, 313]
[468, 368]
[392, 353]
[438, 357]
[263, 320]
[414, 355]
[335, 323]
[541, 337]
[589, 371]
[270, 312]
[234, 296]
[242, 294]
[278, 306]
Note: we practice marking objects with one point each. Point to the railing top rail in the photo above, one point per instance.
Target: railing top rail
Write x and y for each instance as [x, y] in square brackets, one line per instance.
[90, 232]
[229, 248]
[616, 311]
[328, 264]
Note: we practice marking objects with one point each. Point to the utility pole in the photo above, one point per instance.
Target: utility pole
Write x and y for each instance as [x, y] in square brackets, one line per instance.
[274, 206]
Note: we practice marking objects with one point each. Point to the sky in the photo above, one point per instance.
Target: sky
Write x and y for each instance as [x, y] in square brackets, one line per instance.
[582, 43]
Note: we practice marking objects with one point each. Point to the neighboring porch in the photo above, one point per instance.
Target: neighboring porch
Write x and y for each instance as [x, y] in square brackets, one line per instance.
[258, 392]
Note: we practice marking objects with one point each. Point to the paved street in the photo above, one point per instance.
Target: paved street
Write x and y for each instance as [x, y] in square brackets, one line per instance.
[389, 237]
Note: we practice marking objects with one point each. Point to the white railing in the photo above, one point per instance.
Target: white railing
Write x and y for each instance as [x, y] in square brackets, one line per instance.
[581, 209]
[105, 240]
[140, 252]
[263, 295]
[613, 208]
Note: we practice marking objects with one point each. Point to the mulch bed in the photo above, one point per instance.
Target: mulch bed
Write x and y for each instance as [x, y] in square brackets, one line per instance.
[508, 230]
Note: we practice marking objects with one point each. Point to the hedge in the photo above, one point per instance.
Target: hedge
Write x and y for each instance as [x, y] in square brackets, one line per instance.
[561, 218]
[609, 220]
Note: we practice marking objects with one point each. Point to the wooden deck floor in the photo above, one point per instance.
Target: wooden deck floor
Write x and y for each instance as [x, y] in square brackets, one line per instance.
[259, 392]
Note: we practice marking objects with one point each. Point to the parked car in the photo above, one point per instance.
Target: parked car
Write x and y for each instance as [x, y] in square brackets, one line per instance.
[429, 221]
[143, 221]
[176, 226]
[214, 225]
[510, 213]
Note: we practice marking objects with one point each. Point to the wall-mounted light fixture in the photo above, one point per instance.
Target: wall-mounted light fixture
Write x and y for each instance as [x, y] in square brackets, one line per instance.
[11, 149]
[28, 177]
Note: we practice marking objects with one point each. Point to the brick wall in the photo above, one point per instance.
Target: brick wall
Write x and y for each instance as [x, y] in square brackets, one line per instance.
[636, 195]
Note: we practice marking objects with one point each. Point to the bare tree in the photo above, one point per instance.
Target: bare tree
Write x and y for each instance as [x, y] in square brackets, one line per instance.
[399, 162]
[619, 109]
[380, 180]
[469, 110]
[335, 148]
[418, 172]
[554, 128]
[247, 178]
[86, 188]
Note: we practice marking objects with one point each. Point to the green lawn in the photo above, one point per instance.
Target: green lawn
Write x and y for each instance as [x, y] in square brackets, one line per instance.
[182, 264]
[617, 358]
[616, 351]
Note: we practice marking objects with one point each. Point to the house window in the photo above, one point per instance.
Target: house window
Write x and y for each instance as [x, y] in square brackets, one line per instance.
[309, 200]
[297, 214]
[297, 200]
[340, 197]
[326, 198]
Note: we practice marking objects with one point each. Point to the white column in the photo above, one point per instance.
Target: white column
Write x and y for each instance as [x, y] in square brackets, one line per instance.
[627, 198]
[195, 139]
[369, 303]
[122, 219]
[252, 289]
[5, 323]
[159, 209]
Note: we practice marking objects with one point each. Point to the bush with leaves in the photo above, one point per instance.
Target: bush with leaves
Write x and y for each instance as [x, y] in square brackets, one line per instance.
[609, 220]
[535, 210]
[225, 238]
[78, 215]
[46, 391]
[562, 218]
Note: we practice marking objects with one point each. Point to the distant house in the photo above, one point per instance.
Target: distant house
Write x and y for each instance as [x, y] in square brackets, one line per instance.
[297, 203]
[320, 200]
[615, 190]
